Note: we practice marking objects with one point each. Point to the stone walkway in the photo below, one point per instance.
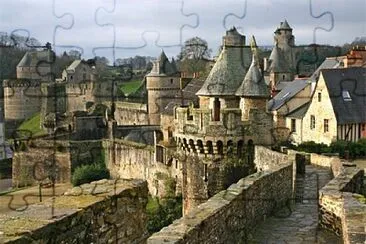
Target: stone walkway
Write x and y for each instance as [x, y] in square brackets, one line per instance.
[300, 224]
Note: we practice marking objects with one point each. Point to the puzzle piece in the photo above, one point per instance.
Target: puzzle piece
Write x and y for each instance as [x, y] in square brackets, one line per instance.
[117, 41]
[126, 39]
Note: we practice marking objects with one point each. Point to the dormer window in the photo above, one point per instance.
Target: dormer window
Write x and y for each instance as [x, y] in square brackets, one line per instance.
[346, 96]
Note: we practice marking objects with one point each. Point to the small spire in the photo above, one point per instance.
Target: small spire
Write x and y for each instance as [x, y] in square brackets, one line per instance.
[253, 43]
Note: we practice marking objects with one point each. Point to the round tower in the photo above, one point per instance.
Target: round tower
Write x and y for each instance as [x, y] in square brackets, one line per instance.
[211, 138]
[162, 83]
[283, 36]
[253, 91]
[22, 96]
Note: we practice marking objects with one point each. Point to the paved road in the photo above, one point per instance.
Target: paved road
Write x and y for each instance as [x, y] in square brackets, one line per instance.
[300, 225]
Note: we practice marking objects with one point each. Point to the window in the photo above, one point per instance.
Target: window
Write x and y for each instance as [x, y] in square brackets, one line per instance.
[293, 125]
[283, 77]
[171, 81]
[346, 96]
[363, 127]
[326, 125]
[312, 122]
[319, 96]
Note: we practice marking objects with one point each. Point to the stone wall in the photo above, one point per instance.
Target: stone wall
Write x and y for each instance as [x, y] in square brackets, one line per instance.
[40, 165]
[339, 211]
[131, 113]
[45, 158]
[265, 158]
[133, 160]
[230, 215]
[99, 212]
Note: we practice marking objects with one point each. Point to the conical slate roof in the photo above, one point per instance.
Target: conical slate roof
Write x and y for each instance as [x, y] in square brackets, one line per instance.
[285, 26]
[278, 62]
[162, 67]
[253, 84]
[226, 75]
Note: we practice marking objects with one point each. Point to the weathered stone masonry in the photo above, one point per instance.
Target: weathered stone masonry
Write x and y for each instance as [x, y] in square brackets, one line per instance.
[99, 212]
[235, 210]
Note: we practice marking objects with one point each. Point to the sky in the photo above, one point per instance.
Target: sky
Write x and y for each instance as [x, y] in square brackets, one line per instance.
[124, 28]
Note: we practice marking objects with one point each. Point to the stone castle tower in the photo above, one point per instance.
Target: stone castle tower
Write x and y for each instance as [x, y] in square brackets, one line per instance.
[23, 96]
[162, 83]
[213, 145]
[282, 61]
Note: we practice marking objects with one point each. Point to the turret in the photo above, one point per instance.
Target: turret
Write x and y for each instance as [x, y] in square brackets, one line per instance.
[253, 91]
[161, 83]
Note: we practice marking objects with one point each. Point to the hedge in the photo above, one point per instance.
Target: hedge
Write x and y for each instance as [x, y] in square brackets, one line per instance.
[89, 172]
[354, 149]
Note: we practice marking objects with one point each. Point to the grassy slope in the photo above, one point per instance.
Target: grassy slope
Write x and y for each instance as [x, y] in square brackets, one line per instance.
[130, 87]
[32, 124]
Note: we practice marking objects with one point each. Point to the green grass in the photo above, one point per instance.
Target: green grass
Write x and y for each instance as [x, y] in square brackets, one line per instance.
[33, 124]
[152, 205]
[130, 87]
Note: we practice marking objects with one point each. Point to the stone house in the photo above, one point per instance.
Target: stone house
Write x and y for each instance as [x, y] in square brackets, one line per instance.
[79, 71]
[335, 111]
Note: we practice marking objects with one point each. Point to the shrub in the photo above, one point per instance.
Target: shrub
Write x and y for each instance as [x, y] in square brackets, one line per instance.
[89, 172]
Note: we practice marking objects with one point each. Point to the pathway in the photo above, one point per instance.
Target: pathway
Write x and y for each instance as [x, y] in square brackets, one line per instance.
[300, 225]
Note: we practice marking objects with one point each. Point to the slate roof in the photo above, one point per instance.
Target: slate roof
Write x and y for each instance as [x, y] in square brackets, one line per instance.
[226, 75]
[141, 135]
[287, 93]
[285, 26]
[189, 96]
[73, 66]
[300, 112]
[42, 58]
[328, 63]
[253, 84]
[352, 80]
[278, 61]
[163, 67]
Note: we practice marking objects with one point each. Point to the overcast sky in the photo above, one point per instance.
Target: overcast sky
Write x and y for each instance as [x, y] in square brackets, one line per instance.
[144, 27]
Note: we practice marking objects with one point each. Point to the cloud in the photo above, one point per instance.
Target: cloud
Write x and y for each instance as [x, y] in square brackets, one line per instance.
[132, 18]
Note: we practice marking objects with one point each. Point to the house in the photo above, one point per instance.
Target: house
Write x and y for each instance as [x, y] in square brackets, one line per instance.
[336, 109]
[79, 71]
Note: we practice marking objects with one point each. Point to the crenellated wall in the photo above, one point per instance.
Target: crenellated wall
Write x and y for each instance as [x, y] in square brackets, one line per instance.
[105, 211]
[235, 210]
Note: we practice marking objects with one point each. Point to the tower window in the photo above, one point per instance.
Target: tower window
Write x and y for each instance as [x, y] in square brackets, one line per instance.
[319, 96]
[171, 81]
[312, 122]
[293, 125]
[216, 110]
[346, 96]
[326, 125]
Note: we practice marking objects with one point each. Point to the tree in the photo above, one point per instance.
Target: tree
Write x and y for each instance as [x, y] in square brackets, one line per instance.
[195, 48]
[74, 54]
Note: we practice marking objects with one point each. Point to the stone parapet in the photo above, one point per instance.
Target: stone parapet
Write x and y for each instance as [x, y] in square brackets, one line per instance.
[105, 211]
[339, 211]
[230, 215]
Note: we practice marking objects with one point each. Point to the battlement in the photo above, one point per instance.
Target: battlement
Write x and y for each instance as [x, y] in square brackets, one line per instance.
[198, 131]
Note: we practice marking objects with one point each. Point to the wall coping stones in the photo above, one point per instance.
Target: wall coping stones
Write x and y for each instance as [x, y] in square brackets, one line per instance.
[36, 220]
[193, 227]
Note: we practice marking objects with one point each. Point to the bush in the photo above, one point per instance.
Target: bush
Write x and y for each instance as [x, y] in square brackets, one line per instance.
[88, 173]
[163, 213]
[355, 149]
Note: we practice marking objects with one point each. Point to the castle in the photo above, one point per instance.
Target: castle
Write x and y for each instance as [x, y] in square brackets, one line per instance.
[202, 131]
